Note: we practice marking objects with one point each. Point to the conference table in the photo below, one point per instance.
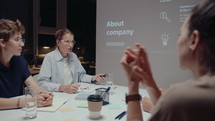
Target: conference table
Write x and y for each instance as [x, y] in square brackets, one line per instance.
[108, 112]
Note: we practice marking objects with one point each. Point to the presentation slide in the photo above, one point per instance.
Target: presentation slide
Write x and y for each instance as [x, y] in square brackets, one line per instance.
[153, 23]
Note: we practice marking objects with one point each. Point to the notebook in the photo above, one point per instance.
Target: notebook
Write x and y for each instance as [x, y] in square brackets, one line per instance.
[57, 103]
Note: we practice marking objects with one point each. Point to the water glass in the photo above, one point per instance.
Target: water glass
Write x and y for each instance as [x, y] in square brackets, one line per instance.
[30, 103]
[109, 80]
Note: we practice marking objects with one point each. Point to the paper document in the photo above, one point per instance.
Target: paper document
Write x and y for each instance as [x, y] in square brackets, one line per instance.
[87, 88]
[57, 103]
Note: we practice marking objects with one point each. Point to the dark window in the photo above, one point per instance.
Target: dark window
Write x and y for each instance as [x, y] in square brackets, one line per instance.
[48, 10]
[46, 43]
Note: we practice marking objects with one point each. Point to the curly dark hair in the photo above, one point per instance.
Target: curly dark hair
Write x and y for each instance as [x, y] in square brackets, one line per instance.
[9, 27]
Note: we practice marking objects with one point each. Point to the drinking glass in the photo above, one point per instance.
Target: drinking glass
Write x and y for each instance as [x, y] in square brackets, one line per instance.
[109, 82]
[30, 103]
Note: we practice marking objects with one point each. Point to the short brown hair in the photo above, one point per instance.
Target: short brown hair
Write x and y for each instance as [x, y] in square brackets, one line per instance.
[9, 27]
[59, 33]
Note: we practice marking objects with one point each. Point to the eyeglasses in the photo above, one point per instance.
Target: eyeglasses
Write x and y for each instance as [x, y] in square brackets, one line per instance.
[19, 40]
[67, 42]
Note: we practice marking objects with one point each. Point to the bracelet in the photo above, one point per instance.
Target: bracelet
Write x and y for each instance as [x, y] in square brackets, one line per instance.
[135, 97]
[18, 103]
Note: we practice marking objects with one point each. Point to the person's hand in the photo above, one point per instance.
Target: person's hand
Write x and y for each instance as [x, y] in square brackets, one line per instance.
[98, 78]
[137, 68]
[44, 99]
[71, 88]
[129, 62]
[143, 70]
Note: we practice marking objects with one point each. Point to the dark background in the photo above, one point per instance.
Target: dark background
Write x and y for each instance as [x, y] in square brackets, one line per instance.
[81, 19]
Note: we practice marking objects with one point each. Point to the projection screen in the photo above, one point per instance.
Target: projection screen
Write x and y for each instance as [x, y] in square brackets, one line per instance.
[153, 23]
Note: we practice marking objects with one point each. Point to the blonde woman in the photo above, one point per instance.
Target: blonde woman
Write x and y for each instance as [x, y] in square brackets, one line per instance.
[61, 69]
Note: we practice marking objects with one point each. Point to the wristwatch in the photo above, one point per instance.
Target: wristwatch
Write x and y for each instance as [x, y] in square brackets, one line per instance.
[135, 97]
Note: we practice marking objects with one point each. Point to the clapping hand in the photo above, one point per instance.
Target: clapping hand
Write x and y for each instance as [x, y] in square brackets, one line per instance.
[136, 65]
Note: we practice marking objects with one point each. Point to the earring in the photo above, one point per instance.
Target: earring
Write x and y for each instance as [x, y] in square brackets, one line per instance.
[190, 48]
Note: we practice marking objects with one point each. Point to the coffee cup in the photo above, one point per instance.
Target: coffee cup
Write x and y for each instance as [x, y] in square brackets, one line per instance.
[94, 106]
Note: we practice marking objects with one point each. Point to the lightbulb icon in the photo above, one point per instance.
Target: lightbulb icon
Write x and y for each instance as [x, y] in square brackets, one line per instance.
[164, 37]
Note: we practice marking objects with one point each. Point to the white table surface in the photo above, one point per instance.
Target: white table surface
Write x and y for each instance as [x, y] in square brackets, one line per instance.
[117, 97]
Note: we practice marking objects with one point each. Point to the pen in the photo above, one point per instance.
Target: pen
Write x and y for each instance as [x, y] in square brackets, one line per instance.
[52, 90]
[94, 81]
[107, 90]
[121, 116]
[123, 113]
[82, 89]
[103, 95]
[103, 75]
[50, 94]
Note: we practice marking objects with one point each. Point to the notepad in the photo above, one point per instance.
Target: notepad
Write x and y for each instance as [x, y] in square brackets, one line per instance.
[83, 105]
[82, 96]
[114, 106]
[66, 109]
[57, 103]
